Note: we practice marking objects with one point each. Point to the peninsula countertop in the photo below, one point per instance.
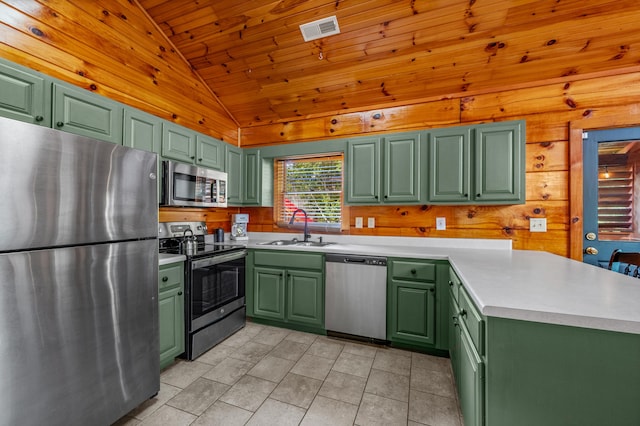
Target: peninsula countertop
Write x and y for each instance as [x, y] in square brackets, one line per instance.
[517, 284]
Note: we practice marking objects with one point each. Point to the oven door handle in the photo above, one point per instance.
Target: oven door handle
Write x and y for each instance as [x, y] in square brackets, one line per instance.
[217, 259]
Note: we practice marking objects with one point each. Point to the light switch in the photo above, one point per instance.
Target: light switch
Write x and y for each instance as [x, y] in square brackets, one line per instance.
[371, 222]
[441, 223]
[358, 222]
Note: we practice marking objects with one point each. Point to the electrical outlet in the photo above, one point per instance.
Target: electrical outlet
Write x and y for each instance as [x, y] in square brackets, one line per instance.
[441, 223]
[371, 222]
[538, 224]
[358, 222]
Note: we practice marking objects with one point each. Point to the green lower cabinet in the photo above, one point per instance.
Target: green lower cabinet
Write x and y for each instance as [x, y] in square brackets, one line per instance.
[171, 312]
[268, 293]
[305, 297]
[470, 380]
[286, 289]
[412, 312]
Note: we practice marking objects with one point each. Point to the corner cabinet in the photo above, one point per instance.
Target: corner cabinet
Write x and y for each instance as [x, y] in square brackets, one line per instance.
[384, 170]
[171, 312]
[245, 185]
[481, 164]
[286, 288]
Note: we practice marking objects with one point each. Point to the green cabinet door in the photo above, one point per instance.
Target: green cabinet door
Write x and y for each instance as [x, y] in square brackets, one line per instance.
[471, 382]
[234, 169]
[454, 339]
[402, 182]
[412, 312]
[84, 113]
[24, 96]
[269, 293]
[449, 172]
[499, 162]
[251, 178]
[144, 131]
[210, 152]
[178, 143]
[363, 171]
[305, 297]
[171, 312]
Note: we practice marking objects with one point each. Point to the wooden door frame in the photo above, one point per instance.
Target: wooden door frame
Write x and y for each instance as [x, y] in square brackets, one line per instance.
[576, 169]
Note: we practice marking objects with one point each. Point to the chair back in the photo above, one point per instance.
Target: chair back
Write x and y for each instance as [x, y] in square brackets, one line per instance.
[628, 263]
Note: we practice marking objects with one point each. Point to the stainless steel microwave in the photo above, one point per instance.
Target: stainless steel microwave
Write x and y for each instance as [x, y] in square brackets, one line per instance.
[185, 185]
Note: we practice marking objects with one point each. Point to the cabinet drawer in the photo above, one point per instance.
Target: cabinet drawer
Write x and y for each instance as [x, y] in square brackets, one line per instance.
[287, 259]
[170, 276]
[420, 271]
[472, 319]
[454, 283]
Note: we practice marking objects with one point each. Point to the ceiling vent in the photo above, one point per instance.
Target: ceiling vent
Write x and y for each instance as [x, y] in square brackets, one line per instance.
[320, 28]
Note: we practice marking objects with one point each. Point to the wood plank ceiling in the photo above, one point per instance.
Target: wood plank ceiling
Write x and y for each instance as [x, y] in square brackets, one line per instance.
[391, 52]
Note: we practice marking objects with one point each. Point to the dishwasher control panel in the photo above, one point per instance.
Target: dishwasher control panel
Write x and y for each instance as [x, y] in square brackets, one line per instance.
[357, 259]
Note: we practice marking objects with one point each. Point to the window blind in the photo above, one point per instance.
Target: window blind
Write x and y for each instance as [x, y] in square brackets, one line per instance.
[615, 200]
[312, 184]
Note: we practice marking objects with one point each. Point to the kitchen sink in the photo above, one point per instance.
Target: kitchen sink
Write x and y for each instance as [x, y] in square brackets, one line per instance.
[297, 243]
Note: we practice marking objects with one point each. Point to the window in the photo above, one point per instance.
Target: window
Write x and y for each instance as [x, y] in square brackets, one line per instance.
[313, 184]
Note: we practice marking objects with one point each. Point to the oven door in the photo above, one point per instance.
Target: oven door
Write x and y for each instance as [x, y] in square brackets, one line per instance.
[217, 287]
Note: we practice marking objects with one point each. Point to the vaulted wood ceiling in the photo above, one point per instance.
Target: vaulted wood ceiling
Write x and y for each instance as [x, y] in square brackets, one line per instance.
[391, 52]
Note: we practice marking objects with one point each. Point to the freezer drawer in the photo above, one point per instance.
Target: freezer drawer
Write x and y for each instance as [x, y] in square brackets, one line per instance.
[78, 333]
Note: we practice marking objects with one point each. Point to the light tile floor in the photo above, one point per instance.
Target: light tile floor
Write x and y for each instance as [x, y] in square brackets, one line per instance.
[272, 376]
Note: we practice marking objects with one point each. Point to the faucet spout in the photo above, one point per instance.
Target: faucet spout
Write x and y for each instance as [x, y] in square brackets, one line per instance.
[306, 221]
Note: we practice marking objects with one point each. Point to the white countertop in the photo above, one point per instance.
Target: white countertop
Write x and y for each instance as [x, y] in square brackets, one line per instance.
[165, 259]
[517, 284]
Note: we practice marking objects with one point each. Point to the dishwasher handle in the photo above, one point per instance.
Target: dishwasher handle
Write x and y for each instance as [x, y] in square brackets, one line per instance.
[354, 259]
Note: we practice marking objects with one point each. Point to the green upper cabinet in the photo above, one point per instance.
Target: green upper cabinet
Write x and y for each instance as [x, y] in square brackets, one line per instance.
[210, 152]
[401, 168]
[363, 171]
[499, 160]
[84, 113]
[449, 171]
[384, 170]
[251, 178]
[24, 96]
[142, 131]
[187, 146]
[234, 169]
[482, 164]
[178, 143]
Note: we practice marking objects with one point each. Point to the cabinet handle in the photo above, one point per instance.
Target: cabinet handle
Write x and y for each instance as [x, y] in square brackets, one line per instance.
[477, 195]
[199, 159]
[193, 157]
[165, 279]
[179, 293]
[450, 283]
[463, 313]
[386, 196]
[376, 197]
[432, 290]
[39, 118]
[466, 195]
[59, 124]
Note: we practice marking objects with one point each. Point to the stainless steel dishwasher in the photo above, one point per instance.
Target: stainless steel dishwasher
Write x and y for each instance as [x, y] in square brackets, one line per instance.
[356, 296]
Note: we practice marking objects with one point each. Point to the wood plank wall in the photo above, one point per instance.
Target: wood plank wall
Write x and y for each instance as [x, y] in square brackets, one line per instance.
[114, 49]
[548, 109]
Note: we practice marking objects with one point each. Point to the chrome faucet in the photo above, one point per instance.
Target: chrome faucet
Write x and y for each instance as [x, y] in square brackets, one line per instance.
[306, 228]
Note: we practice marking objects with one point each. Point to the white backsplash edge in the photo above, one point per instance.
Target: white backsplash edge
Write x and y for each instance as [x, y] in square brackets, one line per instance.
[460, 243]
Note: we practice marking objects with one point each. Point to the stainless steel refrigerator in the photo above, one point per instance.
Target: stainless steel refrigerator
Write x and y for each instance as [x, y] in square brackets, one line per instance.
[78, 278]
